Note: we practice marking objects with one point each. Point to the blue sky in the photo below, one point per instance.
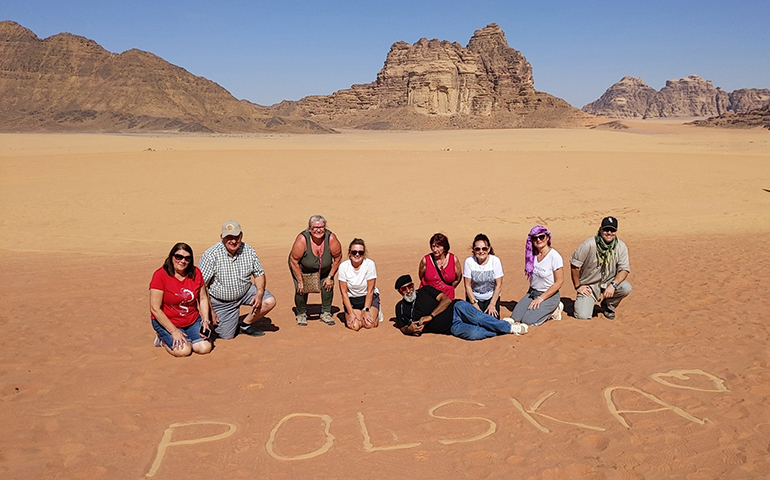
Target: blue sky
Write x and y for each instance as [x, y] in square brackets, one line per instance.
[266, 52]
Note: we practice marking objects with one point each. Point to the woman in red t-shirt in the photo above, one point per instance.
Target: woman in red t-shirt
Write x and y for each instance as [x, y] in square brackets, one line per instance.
[440, 269]
[179, 304]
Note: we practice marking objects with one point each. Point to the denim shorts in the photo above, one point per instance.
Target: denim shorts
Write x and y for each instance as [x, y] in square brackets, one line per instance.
[358, 302]
[193, 332]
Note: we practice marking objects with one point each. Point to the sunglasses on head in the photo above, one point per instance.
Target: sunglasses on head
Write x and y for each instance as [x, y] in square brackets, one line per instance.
[356, 252]
[542, 236]
[480, 249]
[180, 257]
[608, 230]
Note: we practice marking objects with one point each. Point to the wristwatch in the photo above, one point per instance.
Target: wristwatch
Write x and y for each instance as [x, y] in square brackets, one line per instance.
[366, 309]
[614, 285]
[474, 301]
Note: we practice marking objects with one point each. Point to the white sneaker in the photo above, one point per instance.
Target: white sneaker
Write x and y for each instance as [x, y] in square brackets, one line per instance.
[157, 342]
[380, 317]
[516, 327]
[556, 315]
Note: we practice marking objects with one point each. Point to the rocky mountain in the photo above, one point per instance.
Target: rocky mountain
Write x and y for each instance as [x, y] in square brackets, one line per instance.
[440, 84]
[628, 98]
[70, 83]
[687, 97]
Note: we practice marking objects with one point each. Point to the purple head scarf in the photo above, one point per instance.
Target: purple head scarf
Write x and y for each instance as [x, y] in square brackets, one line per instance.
[529, 255]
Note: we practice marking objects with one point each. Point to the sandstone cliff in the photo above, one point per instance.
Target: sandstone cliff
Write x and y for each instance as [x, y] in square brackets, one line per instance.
[440, 84]
[628, 98]
[67, 82]
[687, 97]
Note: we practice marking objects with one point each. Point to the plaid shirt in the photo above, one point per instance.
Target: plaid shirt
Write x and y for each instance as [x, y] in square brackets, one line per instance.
[229, 278]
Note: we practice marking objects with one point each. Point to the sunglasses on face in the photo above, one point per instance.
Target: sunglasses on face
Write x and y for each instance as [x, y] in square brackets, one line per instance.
[480, 249]
[182, 258]
[537, 238]
[608, 230]
[356, 252]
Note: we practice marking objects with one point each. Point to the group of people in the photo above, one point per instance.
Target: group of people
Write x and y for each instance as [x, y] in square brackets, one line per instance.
[190, 305]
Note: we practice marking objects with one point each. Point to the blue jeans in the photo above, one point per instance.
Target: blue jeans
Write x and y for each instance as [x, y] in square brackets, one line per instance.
[470, 323]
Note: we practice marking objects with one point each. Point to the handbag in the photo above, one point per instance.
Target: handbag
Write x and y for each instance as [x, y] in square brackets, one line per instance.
[311, 282]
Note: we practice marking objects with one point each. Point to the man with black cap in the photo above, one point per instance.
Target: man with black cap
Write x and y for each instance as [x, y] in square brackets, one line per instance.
[235, 277]
[600, 267]
[429, 311]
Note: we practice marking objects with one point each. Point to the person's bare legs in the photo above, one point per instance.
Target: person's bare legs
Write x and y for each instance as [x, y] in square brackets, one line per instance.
[185, 350]
[354, 322]
[202, 348]
[254, 315]
[372, 321]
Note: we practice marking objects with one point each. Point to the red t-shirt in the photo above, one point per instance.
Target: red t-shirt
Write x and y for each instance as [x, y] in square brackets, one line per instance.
[180, 298]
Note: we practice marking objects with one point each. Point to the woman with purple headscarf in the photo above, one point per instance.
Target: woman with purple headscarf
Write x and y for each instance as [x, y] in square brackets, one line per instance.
[544, 267]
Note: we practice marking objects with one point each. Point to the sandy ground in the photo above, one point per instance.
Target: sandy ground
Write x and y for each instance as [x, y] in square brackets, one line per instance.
[677, 386]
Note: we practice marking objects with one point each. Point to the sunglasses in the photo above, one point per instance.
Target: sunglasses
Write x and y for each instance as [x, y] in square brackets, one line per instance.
[356, 252]
[179, 257]
[542, 236]
[480, 249]
[608, 230]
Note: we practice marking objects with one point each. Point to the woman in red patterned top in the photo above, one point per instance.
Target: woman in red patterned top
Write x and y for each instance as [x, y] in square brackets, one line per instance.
[440, 269]
[179, 304]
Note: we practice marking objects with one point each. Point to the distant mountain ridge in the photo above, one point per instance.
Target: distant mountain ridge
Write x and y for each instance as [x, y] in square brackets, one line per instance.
[687, 97]
[70, 83]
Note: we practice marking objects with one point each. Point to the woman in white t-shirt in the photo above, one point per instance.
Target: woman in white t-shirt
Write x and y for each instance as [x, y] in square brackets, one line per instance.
[544, 267]
[357, 277]
[483, 277]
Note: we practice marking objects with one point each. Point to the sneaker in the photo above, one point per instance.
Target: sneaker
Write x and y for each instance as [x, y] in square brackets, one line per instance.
[302, 319]
[556, 315]
[157, 342]
[608, 314]
[380, 318]
[517, 328]
[251, 330]
[327, 318]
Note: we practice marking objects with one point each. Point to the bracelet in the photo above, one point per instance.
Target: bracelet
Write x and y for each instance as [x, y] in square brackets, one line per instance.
[578, 286]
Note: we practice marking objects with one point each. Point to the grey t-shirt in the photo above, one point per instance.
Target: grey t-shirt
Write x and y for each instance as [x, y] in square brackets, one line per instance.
[584, 258]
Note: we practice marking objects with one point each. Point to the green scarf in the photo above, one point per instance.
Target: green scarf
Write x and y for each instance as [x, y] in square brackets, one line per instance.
[605, 253]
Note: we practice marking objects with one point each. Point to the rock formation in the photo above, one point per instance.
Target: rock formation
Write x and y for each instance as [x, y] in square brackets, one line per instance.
[750, 119]
[687, 97]
[749, 99]
[67, 82]
[628, 98]
[441, 84]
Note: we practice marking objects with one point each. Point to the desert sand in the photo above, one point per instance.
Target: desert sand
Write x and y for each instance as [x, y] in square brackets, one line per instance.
[677, 386]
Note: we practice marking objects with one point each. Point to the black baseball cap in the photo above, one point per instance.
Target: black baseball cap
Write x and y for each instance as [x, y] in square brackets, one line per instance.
[610, 222]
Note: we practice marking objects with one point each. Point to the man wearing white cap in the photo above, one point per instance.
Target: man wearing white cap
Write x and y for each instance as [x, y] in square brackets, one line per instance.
[234, 277]
[600, 267]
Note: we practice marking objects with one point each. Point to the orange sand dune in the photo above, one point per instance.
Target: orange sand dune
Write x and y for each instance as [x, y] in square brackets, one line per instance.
[87, 218]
